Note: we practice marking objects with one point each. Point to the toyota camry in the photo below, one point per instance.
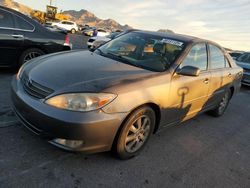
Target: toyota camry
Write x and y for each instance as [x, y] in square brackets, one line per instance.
[116, 97]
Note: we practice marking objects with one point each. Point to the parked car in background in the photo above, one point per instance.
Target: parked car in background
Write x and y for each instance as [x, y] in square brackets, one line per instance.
[22, 39]
[117, 96]
[89, 31]
[244, 62]
[99, 32]
[235, 54]
[80, 27]
[102, 32]
[97, 41]
[67, 25]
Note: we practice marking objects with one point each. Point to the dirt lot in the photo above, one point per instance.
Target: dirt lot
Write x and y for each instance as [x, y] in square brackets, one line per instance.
[203, 152]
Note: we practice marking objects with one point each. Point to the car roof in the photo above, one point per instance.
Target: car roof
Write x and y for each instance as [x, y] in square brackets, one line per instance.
[175, 36]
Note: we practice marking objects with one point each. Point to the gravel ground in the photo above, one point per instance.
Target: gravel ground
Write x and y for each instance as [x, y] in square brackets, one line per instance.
[203, 152]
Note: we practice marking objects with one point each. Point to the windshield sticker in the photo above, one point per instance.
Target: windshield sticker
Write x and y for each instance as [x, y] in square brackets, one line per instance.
[173, 42]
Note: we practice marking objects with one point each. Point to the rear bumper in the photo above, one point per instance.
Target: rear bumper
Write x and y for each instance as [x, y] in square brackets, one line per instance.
[96, 129]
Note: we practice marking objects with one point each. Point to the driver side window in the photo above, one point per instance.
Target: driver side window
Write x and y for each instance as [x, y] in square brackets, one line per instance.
[197, 57]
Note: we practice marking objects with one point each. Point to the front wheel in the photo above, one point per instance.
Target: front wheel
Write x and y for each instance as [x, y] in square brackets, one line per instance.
[222, 106]
[135, 133]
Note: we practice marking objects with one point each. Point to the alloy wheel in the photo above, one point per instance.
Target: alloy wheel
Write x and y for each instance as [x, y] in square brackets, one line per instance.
[137, 134]
[31, 55]
[224, 102]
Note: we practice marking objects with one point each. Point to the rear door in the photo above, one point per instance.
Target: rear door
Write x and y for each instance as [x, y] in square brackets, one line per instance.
[11, 39]
[188, 94]
[220, 75]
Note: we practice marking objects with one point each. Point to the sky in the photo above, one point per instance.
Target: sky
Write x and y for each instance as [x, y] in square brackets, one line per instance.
[226, 22]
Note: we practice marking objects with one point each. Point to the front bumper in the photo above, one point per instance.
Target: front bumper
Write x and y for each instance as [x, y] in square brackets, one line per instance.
[96, 129]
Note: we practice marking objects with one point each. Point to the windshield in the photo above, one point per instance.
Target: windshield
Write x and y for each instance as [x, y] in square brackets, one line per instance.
[151, 52]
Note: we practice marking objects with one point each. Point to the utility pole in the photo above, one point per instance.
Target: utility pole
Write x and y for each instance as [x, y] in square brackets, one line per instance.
[50, 2]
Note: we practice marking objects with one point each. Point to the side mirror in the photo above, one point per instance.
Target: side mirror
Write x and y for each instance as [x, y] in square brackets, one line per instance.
[188, 71]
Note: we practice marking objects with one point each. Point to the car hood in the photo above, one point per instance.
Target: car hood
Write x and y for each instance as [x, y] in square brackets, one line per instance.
[80, 70]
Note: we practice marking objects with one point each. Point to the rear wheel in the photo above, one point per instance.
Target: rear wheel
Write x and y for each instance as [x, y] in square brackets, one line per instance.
[135, 133]
[29, 54]
[222, 106]
[73, 31]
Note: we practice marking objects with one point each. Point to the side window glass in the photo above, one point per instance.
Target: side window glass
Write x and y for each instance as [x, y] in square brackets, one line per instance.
[217, 57]
[197, 57]
[6, 19]
[23, 24]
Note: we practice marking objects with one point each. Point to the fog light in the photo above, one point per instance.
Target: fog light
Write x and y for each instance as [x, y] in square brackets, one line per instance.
[69, 143]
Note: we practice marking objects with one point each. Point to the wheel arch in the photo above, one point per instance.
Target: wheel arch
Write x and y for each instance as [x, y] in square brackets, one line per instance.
[34, 46]
[153, 106]
[18, 64]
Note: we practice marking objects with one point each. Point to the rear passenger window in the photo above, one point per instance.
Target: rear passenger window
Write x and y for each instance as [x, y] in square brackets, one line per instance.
[6, 19]
[217, 57]
[197, 57]
[23, 24]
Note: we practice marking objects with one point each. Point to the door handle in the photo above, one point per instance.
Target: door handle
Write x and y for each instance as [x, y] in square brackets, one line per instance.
[18, 36]
[206, 81]
[229, 74]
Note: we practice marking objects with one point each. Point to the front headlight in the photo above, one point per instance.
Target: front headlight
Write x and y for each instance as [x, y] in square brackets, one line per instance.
[81, 101]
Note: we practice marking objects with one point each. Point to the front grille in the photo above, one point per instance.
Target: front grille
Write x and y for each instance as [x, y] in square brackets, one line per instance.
[34, 89]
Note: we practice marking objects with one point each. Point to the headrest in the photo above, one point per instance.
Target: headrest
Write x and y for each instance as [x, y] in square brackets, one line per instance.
[159, 48]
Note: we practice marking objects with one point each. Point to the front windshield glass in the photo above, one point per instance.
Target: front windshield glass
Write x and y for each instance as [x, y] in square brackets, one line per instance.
[151, 52]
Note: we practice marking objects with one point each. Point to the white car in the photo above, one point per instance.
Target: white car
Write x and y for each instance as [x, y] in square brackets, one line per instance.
[102, 33]
[95, 42]
[67, 25]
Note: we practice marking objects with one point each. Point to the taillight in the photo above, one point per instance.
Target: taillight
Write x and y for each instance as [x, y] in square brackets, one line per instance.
[67, 40]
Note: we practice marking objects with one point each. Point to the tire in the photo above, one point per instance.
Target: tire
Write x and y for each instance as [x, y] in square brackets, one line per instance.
[73, 31]
[30, 54]
[222, 106]
[135, 133]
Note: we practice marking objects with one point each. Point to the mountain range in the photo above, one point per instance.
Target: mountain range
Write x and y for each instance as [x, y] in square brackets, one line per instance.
[82, 17]
[85, 17]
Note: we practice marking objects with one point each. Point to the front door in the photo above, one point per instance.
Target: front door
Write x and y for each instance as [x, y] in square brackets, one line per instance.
[188, 94]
